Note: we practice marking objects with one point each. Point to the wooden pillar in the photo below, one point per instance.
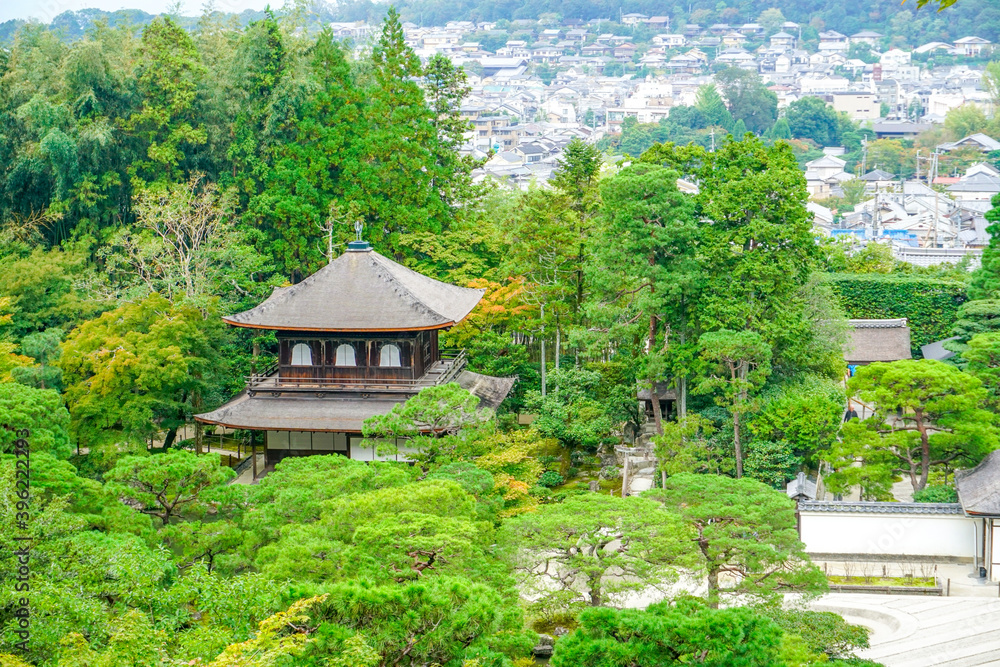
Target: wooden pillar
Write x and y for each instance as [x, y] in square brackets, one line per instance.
[253, 451]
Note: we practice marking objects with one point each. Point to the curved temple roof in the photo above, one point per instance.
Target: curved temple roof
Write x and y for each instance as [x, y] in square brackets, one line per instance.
[362, 291]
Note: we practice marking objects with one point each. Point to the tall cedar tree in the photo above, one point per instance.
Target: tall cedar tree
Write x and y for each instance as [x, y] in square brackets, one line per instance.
[310, 166]
[758, 252]
[169, 72]
[644, 266]
[399, 184]
[258, 69]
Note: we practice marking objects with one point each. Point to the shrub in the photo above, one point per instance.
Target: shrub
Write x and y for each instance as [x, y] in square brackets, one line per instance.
[550, 479]
[938, 493]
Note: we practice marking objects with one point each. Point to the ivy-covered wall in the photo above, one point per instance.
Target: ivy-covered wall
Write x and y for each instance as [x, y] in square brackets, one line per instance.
[929, 304]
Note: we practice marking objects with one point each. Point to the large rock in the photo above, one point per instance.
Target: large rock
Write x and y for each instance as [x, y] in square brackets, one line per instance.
[544, 647]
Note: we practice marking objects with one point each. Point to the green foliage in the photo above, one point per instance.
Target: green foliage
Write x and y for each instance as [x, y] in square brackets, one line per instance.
[986, 280]
[550, 478]
[811, 118]
[139, 369]
[981, 359]
[678, 633]
[587, 538]
[743, 528]
[570, 412]
[748, 99]
[685, 446]
[439, 621]
[930, 305]
[770, 462]
[167, 485]
[936, 493]
[806, 415]
[42, 412]
[939, 419]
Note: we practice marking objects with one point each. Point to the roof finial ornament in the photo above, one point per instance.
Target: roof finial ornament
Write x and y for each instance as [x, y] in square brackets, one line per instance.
[358, 245]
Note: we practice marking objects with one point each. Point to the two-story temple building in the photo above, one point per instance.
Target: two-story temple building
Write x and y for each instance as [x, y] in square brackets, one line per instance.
[354, 339]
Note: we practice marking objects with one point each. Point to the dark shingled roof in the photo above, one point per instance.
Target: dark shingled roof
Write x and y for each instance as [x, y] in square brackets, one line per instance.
[342, 414]
[878, 508]
[877, 340]
[979, 488]
[362, 291]
[663, 391]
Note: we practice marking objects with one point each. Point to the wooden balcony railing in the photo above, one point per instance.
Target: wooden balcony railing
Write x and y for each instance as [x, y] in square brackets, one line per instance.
[443, 371]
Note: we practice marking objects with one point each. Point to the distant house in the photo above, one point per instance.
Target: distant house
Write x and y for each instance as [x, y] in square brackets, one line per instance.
[971, 47]
[734, 40]
[978, 187]
[930, 47]
[624, 52]
[899, 130]
[783, 40]
[832, 40]
[751, 29]
[877, 179]
[978, 140]
[869, 37]
[634, 19]
[871, 341]
[856, 104]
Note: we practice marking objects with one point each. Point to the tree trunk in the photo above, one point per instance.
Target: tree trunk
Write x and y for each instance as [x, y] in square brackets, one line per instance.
[653, 396]
[925, 452]
[713, 587]
[169, 440]
[543, 349]
[682, 396]
[737, 447]
[594, 582]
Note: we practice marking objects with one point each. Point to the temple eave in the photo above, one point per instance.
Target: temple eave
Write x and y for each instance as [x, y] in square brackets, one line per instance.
[338, 414]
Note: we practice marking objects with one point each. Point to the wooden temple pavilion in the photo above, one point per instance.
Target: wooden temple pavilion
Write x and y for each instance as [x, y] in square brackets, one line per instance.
[354, 339]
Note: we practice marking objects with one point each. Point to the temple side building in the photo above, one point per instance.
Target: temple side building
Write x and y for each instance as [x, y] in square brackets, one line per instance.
[356, 338]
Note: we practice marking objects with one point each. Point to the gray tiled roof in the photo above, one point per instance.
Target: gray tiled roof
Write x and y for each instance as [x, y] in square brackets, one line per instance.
[340, 414]
[877, 340]
[362, 291]
[879, 508]
[979, 488]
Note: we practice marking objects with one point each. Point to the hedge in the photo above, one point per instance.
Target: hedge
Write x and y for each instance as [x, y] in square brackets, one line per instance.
[930, 305]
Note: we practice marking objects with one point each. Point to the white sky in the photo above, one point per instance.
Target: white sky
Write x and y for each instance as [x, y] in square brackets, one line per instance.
[46, 10]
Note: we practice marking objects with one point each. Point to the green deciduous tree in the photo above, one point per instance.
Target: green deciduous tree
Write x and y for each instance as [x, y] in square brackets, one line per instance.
[138, 370]
[812, 118]
[748, 99]
[42, 412]
[745, 535]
